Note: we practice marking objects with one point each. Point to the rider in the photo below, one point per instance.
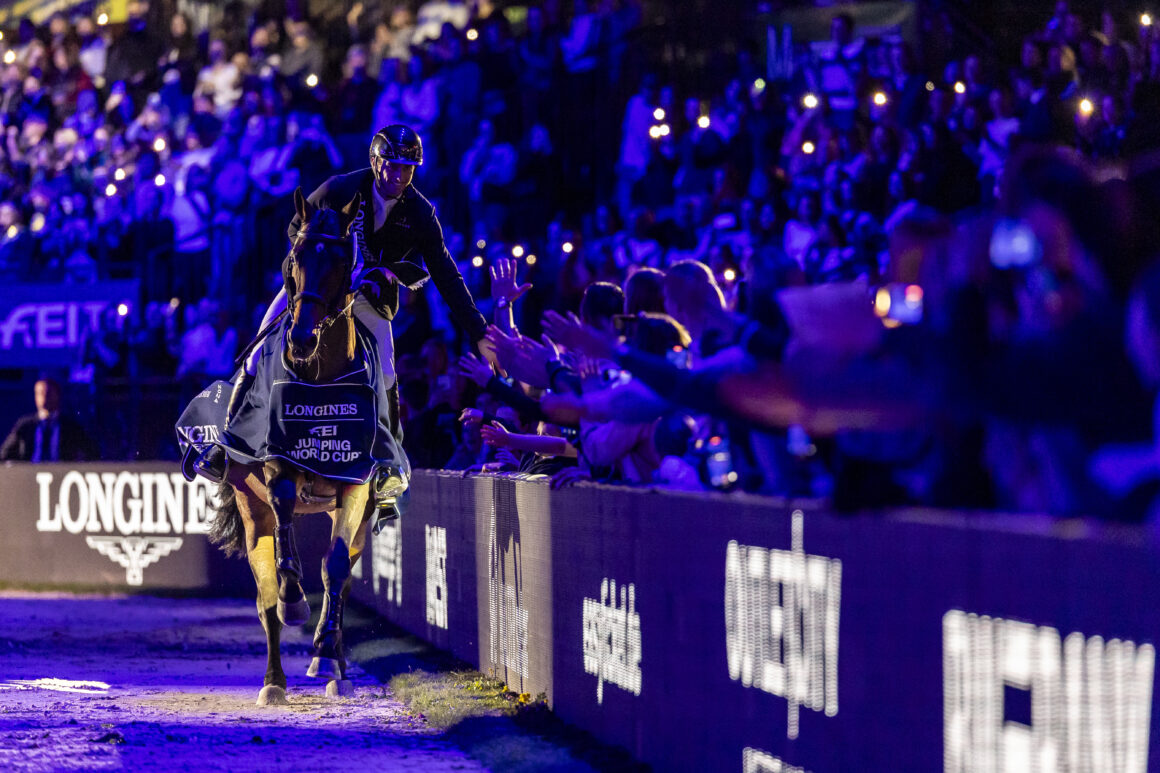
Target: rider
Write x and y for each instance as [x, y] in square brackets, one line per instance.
[399, 228]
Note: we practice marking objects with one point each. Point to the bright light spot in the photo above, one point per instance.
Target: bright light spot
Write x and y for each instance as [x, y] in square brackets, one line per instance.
[174, 302]
[10, 57]
[473, 34]
[1146, 20]
[930, 85]
[664, 129]
[480, 243]
[759, 84]
[477, 261]
[880, 98]
[729, 275]
[567, 247]
[1086, 107]
[37, 222]
[123, 309]
[12, 231]
[103, 19]
[1, 34]
[654, 132]
[311, 80]
[659, 114]
[159, 180]
[531, 260]
[913, 295]
[960, 87]
[56, 685]
[882, 302]
[810, 101]
[517, 251]
[703, 122]
[808, 147]
[119, 175]
[110, 190]
[159, 144]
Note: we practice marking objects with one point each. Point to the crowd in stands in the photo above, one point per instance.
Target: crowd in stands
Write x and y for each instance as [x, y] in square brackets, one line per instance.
[871, 280]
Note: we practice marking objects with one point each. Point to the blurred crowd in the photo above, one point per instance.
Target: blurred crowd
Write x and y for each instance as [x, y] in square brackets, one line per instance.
[878, 279]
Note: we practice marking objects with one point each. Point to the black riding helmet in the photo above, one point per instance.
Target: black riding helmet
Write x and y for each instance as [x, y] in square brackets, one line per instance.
[398, 144]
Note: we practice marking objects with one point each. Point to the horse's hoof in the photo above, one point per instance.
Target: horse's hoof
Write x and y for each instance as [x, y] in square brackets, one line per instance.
[339, 688]
[328, 667]
[272, 695]
[293, 614]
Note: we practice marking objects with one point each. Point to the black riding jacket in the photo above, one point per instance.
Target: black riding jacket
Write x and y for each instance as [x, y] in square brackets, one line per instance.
[411, 231]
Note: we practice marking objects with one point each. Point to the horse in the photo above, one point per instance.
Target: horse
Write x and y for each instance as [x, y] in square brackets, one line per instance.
[259, 501]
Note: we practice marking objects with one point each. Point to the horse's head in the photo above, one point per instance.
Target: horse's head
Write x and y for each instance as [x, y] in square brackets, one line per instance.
[318, 285]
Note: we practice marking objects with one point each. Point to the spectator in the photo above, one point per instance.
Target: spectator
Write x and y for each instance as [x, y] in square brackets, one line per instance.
[47, 435]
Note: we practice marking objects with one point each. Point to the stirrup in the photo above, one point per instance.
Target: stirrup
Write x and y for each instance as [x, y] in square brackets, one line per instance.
[384, 515]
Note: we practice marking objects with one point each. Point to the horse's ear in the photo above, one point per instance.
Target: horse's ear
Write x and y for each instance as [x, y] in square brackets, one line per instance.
[302, 207]
[350, 212]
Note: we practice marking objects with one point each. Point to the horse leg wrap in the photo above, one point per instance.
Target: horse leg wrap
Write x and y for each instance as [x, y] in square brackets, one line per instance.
[329, 658]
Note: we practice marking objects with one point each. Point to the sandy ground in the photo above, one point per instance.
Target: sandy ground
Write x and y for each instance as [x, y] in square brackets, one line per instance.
[144, 683]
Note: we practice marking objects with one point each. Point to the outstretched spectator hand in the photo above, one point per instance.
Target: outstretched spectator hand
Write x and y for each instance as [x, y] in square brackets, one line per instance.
[565, 410]
[571, 332]
[471, 417]
[526, 360]
[503, 281]
[474, 369]
[495, 434]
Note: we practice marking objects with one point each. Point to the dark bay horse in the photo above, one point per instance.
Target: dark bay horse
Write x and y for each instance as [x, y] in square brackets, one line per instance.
[259, 501]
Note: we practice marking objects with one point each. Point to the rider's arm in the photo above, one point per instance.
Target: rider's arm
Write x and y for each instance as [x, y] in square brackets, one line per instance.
[449, 281]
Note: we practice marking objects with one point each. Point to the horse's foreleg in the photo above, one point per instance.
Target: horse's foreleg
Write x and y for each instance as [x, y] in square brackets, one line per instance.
[258, 523]
[282, 491]
[348, 533]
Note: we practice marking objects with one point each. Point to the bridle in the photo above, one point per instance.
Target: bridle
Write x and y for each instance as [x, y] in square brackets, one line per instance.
[301, 297]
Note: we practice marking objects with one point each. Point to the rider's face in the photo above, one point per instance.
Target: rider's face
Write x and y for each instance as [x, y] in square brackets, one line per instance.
[392, 179]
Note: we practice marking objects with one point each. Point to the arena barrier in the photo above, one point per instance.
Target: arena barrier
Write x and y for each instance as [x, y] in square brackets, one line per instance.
[712, 633]
[701, 632]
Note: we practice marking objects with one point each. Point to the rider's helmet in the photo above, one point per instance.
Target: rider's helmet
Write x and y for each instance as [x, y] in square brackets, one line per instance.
[398, 144]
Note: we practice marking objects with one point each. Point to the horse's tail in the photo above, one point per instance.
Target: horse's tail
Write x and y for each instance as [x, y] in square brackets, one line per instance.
[226, 530]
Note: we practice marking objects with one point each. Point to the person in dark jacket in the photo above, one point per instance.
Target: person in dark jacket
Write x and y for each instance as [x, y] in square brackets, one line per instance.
[47, 435]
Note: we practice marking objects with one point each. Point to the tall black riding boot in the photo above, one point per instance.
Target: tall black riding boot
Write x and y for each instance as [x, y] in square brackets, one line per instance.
[212, 462]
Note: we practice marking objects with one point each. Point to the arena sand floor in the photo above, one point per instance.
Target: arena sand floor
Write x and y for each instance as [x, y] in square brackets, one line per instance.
[147, 683]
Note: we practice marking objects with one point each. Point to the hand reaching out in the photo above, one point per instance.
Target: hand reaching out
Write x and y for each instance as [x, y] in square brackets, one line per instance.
[474, 369]
[471, 417]
[495, 434]
[526, 360]
[574, 334]
[503, 281]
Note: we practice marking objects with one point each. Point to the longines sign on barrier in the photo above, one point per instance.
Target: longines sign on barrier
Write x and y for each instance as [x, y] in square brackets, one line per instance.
[136, 525]
[745, 634]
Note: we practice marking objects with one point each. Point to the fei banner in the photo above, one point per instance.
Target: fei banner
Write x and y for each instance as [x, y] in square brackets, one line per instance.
[705, 632]
[43, 325]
